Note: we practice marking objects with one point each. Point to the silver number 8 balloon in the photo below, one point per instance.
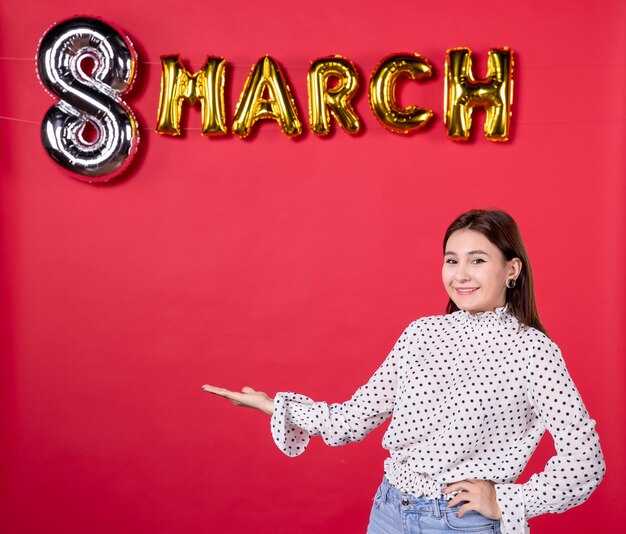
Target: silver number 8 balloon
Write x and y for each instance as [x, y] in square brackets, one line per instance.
[88, 97]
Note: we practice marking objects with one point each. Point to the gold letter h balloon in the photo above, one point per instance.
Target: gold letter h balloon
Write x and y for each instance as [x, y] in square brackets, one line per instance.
[463, 93]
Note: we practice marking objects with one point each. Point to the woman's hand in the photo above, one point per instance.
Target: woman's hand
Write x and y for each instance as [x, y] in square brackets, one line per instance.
[481, 497]
[248, 397]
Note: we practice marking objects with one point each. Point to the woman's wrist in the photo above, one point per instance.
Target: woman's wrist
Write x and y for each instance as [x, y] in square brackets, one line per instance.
[268, 407]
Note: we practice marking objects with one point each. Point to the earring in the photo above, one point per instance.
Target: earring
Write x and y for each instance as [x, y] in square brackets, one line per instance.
[510, 283]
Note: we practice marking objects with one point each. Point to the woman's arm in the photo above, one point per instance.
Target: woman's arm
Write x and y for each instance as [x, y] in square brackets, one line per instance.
[578, 467]
[295, 417]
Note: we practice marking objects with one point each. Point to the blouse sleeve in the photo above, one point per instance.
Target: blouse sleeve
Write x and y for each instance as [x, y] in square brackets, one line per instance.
[578, 467]
[297, 417]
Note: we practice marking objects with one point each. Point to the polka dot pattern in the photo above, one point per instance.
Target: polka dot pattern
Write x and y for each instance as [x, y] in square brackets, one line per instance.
[470, 397]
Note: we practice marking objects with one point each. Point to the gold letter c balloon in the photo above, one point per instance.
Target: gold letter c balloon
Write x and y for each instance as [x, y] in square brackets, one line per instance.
[383, 98]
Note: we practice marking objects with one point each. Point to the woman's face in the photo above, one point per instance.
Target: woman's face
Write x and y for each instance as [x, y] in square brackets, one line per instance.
[475, 272]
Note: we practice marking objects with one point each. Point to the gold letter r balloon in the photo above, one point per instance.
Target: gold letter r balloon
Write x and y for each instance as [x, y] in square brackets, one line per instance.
[325, 100]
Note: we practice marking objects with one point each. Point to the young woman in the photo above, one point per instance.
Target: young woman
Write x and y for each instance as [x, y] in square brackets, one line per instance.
[470, 393]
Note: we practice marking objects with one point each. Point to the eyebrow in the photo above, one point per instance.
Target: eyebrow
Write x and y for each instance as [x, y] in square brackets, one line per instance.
[450, 253]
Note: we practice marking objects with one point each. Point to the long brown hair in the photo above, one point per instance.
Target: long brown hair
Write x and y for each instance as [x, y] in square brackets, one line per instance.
[501, 230]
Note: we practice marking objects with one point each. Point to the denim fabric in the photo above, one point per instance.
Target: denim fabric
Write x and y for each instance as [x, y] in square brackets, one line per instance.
[395, 512]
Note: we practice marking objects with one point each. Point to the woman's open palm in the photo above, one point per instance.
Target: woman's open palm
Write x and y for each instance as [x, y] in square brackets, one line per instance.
[248, 398]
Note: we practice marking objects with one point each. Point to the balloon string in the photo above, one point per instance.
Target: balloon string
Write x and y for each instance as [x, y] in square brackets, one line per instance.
[145, 129]
[301, 67]
[18, 120]
[194, 129]
[238, 65]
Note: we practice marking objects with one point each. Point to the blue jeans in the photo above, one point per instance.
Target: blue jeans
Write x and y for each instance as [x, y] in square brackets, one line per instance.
[395, 512]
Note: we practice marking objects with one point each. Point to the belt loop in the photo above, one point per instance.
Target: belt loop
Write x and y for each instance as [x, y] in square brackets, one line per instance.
[386, 490]
[437, 508]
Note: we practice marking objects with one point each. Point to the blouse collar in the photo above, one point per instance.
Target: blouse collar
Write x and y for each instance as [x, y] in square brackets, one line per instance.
[500, 315]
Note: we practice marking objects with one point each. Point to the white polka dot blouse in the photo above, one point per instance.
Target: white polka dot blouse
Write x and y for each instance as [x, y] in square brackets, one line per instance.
[470, 396]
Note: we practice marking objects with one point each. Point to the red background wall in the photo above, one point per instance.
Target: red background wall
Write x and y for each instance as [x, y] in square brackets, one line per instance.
[286, 264]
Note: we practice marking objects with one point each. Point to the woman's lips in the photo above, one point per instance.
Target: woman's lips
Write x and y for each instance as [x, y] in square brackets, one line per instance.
[466, 291]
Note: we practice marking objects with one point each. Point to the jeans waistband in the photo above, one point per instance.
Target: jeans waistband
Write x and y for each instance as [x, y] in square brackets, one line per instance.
[391, 495]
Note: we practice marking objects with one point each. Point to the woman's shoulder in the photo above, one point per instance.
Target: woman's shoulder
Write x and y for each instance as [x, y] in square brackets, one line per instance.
[535, 345]
[537, 337]
[433, 321]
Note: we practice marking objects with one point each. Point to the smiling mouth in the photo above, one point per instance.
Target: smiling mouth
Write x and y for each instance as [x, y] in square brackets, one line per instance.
[466, 291]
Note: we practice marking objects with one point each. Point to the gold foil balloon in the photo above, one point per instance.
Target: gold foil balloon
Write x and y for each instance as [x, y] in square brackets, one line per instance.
[205, 86]
[382, 94]
[463, 93]
[325, 100]
[266, 77]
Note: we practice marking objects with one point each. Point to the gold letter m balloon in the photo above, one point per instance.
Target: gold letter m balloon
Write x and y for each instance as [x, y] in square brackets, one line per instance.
[205, 86]
[463, 93]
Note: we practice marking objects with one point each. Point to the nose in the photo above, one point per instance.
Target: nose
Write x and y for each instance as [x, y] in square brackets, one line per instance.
[461, 274]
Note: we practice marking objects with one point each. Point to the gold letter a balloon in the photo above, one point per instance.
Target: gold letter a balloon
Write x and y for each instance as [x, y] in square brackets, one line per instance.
[279, 105]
